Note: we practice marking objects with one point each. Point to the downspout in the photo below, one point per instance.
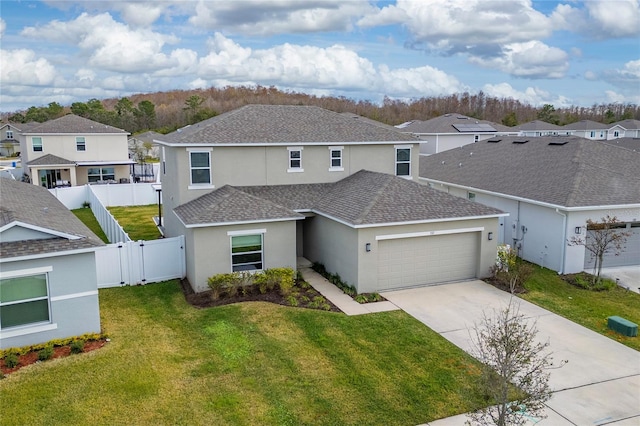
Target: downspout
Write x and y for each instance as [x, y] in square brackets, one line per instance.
[564, 239]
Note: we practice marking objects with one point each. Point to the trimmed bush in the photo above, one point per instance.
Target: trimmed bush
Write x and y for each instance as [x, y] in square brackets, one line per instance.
[45, 353]
[11, 359]
[77, 346]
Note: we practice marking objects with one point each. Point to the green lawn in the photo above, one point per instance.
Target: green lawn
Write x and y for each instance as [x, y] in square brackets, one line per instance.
[87, 217]
[587, 308]
[137, 221]
[246, 364]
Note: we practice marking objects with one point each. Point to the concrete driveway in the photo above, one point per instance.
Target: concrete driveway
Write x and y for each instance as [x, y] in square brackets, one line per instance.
[626, 276]
[600, 384]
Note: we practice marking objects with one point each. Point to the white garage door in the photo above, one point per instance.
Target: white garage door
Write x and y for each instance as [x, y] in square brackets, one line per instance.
[409, 262]
[630, 254]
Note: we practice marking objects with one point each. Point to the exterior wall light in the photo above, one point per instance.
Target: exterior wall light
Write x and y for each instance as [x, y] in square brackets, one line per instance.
[490, 236]
[367, 247]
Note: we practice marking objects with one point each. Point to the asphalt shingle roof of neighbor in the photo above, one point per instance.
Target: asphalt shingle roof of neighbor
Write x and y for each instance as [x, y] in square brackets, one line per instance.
[445, 123]
[34, 205]
[537, 125]
[628, 124]
[586, 125]
[71, 124]
[259, 124]
[629, 143]
[579, 173]
[364, 198]
[50, 160]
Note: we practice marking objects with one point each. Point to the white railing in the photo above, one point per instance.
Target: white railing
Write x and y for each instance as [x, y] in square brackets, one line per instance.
[140, 262]
[108, 223]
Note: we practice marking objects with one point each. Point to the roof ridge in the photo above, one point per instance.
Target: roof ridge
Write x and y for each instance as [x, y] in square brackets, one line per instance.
[374, 199]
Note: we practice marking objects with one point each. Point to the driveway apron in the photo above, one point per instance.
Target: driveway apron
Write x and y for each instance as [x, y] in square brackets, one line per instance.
[599, 385]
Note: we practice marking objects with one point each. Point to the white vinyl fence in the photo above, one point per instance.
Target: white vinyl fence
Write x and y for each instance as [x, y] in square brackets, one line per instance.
[110, 226]
[140, 262]
[110, 195]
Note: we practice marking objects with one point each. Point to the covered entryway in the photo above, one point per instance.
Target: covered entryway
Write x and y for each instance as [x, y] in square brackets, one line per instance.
[629, 255]
[423, 260]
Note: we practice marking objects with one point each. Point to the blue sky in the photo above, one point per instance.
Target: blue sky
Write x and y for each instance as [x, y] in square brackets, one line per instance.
[563, 53]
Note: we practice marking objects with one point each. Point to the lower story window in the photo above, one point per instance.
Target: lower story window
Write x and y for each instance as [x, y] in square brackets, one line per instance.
[95, 174]
[23, 301]
[246, 252]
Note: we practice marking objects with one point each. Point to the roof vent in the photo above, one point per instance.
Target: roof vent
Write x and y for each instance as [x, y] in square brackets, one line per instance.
[442, 162]
[558, 143]
[494, 140]
[459, 164]
[521, 141]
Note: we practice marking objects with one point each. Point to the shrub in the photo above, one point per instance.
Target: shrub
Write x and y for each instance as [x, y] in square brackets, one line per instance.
[269, 279]
[304, 299]
[361, 298]
[319, 302]
[319, 268]
[11, 360]
[291, 300]
[77, 346]
[45, 353]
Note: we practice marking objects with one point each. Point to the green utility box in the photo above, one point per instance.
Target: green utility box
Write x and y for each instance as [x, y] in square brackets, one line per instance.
[622, 326]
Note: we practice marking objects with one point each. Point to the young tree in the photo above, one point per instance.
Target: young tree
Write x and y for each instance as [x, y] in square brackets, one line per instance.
[605, 236]
[515, 373]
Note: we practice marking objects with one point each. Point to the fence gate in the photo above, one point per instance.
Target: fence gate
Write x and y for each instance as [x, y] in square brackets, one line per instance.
[140, 262]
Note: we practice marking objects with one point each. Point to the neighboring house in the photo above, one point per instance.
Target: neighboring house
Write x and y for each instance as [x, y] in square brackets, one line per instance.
[588, 129]
[72, 150]
[549, 186]
[624, 129]
[138, 145]
[9, 143]
[451, 131]
[48, 283]
[257, 187]
[540, 128]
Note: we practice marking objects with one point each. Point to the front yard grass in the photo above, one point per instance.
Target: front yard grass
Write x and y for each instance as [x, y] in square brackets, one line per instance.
[587, 308]
[245, 364]
[137, 221]
[87, 217]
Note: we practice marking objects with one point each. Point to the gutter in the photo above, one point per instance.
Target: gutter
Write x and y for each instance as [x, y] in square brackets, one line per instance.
[564, 241]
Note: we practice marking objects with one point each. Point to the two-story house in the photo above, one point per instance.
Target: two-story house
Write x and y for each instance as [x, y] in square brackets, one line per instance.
[9, 144]
[72, 150]
[262, 185]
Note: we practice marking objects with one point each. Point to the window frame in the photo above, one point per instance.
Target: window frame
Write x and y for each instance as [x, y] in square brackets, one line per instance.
[10, 134]
[471, 196]
[40, 144]
[103, 174]
[25, 274]
[397, 149]
[238, 267]
[291, 159]
[200, 185]
[81, 142]
[340, 158]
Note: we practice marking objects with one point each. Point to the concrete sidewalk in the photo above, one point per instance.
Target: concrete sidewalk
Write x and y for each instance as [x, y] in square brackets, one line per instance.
[600, 384]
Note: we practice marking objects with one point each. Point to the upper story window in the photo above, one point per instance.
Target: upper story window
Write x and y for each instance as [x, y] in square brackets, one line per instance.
[593, 134]
[37, 143]
[335, 159]
[24, 300]
[80, 143]
[295, 159]
[9, 134]
[403, 161]
[200, 167]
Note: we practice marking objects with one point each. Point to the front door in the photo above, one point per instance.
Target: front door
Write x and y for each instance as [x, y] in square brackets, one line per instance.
[49, 178]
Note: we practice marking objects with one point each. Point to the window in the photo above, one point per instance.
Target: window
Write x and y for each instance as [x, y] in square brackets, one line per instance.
[200, 164]
[335, 158]
[98, 174]
[164, 164]
[37, 143]
[295, 159]
[616, 134]
[403, 161]
[80, 143]
[24, 300]
[593, 134]
[246, 252]
[9, 134]
[471, 196]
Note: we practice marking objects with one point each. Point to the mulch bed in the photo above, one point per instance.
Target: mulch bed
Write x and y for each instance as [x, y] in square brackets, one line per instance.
[58, 352]
[204, 299]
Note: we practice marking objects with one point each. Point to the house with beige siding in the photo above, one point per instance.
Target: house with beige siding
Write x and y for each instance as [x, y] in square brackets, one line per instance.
[264, 185]
[72, 150]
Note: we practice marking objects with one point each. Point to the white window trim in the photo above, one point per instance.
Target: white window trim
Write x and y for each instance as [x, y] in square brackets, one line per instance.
[200, 185]
[395, 160]
[9, 134]
[33, 147]
[84, 144]
[20, 330]
[246, 232]
[294, 169]
[331, 167]
[25, 272]
[231, 234]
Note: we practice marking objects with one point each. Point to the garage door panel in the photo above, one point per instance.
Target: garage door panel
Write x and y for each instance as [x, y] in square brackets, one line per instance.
[629, 255]
[427, 260]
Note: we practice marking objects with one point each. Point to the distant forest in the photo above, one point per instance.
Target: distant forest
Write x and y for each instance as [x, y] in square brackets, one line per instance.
[166, 111]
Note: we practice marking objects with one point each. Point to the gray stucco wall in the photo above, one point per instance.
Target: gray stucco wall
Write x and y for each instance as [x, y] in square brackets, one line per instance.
[73, 282]
[209, 249]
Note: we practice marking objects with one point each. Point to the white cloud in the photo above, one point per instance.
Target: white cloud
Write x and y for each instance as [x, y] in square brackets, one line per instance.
[627, 78]
[278, 16]
[600, 19]
[21, 67]
[532, 59]
[418, 82]
[531, 95]
[111, 45]
[590, 75]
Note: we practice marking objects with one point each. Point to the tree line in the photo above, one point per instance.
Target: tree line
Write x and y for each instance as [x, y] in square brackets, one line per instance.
[167, 111]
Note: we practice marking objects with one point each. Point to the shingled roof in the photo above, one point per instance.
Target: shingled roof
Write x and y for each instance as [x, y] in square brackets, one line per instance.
[265, 124]
[71, 124]
[33, 205]
[537, 125]
[51, 160]
[445, 124]
[364, 198]
[564, 171]
[586, 125]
